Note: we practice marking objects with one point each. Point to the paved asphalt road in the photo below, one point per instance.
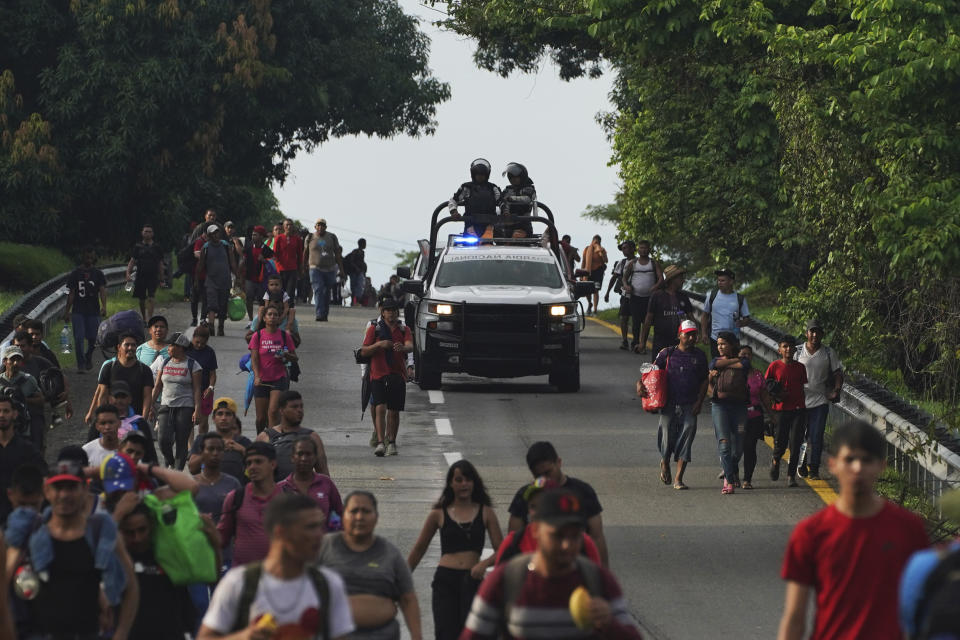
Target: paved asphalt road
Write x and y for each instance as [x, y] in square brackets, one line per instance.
[694, 564]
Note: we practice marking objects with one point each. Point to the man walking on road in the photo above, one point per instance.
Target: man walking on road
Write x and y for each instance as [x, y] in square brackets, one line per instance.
[288, 247]
[285, 435]
[532, 593]
[387, 344]
[723, 310]
[851, 553]
[616, 283]
[640, 278]
[147, 258]
[218, 263]
[687, 378]
[86, 304]
[667, 310]
[542, 460]
[824, 382]
[356, 267]
[252, 260]
[324, 258]
[242, 518]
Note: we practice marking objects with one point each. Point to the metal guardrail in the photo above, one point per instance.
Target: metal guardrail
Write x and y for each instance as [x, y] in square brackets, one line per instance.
[929, 464]
[47, 301]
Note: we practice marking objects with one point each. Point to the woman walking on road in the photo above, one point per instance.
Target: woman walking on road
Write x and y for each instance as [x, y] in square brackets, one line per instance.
[270, 350]
[730, 395]
[594, 263]
[377, 578]
[178, 388]
[463, 515]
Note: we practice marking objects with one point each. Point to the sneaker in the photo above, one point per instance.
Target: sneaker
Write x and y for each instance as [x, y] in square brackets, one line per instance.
[391, 448]
[380, 450]
[373, 439]
[318, 319]
[193, 322]
[792, 481]
[624, 346]
[814, 473]
[802, 470]
[775, 470]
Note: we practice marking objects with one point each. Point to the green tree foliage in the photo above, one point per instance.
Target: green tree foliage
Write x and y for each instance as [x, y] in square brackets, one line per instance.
[812, 142]
[114, 112]
[406, 258]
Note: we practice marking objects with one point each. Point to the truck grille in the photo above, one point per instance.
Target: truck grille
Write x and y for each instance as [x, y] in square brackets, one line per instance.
[500, 331]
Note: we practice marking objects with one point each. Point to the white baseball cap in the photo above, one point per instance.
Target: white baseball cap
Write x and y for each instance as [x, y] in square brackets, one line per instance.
[687, 326]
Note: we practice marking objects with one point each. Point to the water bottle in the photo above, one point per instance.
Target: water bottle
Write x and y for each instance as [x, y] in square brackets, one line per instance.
[129, 286]
[65, 339]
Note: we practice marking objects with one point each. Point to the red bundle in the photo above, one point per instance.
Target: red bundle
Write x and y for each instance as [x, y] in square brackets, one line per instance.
[655, 383]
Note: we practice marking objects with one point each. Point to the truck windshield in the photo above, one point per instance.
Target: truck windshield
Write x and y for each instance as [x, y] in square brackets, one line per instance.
[526, 273]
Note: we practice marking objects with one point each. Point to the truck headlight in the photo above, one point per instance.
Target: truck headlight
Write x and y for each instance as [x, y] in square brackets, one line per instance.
[558, 310]
[444, 309]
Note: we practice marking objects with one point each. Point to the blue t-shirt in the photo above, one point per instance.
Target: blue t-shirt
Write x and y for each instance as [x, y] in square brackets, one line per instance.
[147, 354]
[722, 313]
[686, 371]
[207, 359]
[919, 567]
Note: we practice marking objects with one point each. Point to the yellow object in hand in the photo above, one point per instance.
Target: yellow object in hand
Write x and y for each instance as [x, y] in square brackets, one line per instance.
[266, 621]
[580, 608]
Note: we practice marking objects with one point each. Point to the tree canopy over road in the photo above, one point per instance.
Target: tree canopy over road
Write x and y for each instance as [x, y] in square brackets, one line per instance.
[810, 141]
[116, 112]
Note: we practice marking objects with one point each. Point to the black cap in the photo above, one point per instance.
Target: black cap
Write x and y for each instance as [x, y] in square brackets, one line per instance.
[559, 507]
[180, 339]
[389, 303]
[258, 448]
[814, 323]
[726, 272]
[138, 436]
[120, 387]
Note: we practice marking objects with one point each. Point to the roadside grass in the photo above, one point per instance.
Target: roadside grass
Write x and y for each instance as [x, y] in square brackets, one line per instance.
[24, 266]
[896, 487]
[7, 298]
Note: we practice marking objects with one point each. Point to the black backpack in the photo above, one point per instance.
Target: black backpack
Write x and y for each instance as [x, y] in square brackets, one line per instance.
[251, 578]
[51, 384]
[938, 611]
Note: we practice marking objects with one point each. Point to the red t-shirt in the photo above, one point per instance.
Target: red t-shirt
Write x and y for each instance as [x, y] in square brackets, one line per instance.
[528, 544]
[385, 363]
[792, 375]
[289, 251]
[854, 564]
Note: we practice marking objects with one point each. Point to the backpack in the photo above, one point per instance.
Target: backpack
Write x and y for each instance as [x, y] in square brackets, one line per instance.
[283, 444]
[186, 261]
[251, 579]
[731, 384]
[938, 615]
[515, 573]
[51, 383]
[124, 322]
[13, 391]
[713, 296]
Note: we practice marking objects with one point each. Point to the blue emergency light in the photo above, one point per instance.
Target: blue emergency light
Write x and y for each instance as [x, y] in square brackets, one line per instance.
[465, 240]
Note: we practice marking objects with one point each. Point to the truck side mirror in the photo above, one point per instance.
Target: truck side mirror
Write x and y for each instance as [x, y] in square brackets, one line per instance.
[403, 272]
[414, 287]
[583, 288]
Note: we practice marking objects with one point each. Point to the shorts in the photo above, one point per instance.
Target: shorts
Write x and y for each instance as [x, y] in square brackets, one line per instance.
[263, 390]
[217, 298]
[145, 286]
[597, 275]
[254, 290]
[624, 306]
[390, 390]
[206, 405]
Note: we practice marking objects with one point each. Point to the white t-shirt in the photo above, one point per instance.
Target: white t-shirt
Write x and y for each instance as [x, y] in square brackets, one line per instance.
[820, 364]
[643, 277]
[96, 453]
[292, 602]
[722, 313]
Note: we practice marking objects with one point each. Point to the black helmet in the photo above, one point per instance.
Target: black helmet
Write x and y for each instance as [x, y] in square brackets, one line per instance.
[515, 170]
[480, 165]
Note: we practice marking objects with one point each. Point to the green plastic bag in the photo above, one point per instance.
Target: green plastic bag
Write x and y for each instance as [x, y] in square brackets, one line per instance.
[180, 546]
[236, 308]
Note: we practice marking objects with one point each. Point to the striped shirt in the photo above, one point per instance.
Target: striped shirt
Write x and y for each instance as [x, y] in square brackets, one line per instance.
[542, 609]
[246, 526]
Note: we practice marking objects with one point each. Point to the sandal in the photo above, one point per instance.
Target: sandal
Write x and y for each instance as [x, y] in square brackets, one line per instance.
[679, 486]
[664, 473]
[746, 484]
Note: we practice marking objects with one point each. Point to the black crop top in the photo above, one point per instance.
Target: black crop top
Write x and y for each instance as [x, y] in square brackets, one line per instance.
[456, 536]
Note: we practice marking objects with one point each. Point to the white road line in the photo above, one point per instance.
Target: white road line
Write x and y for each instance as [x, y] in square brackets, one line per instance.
[444, 428]
[452, 456]
[436, 397]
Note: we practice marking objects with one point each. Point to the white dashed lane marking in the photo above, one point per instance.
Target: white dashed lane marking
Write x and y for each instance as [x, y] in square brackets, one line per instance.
[452, 456]
[436, 397]
[444, 428]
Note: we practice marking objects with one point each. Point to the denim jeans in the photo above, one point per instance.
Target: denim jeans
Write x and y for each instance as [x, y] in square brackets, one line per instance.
[84, 326]
[791, 426]
[816, 424]
[175, 424]
[676, 431]
[357, 280]
[322, 282]
[729, 423]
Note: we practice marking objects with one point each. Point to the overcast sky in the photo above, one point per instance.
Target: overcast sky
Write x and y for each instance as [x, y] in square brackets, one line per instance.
[385, 190]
